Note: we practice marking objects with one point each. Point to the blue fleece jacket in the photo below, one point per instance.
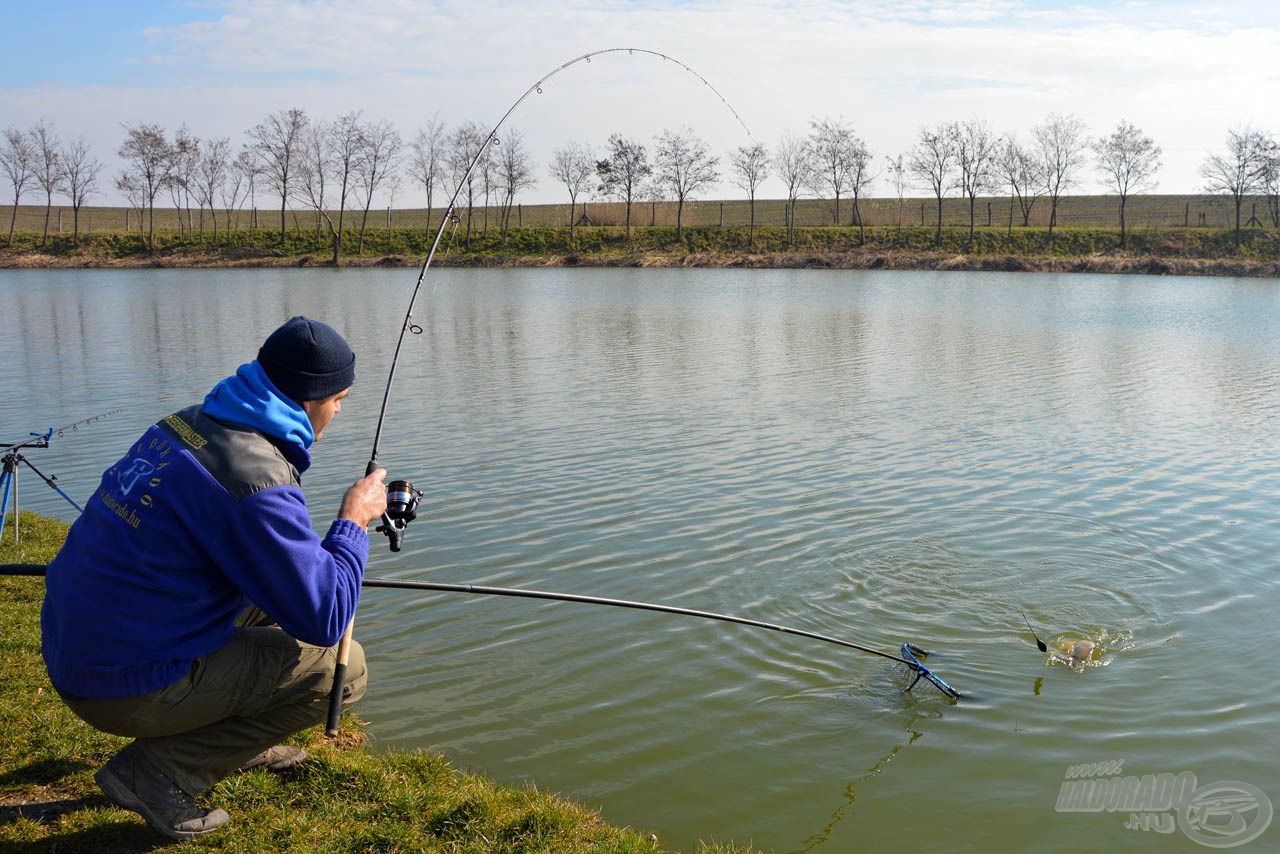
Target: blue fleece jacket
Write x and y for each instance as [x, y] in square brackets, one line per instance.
[202, 517]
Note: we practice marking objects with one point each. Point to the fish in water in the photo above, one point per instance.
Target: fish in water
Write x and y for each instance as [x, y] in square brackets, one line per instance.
[1076, 653]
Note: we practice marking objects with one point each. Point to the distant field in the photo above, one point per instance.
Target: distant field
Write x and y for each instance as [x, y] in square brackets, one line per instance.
[1073, 211]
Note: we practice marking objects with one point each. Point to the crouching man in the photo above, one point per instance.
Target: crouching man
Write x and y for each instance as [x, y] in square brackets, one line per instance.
[193, 608]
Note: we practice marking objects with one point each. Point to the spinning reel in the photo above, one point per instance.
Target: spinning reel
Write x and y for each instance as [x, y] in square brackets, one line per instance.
[402, 508]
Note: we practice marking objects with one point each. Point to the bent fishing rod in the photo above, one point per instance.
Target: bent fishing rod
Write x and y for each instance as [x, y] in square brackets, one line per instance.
[402, 498]
[492, 139]
[909, 652]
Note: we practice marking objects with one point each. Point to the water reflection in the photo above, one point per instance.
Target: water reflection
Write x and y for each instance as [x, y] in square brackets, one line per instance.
[881, 457]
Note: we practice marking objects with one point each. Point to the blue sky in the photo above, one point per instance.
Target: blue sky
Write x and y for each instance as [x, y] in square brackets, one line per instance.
[1184, 71]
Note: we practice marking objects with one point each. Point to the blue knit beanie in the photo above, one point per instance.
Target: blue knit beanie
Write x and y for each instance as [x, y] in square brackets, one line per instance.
[307, 359]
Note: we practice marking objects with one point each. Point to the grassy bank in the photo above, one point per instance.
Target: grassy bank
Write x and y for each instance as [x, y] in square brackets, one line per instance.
[1197, 251]
[345, 798]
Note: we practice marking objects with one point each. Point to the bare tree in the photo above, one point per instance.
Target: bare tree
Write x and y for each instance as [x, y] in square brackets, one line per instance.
[932, 161]
[573, 166]
[488, 176]
[897, 169]
[379, 158]
[1271, 180]
[685, 166]
[427, 160]
[311, 170]
[82, 170]
[238, 189]
[48, 168]
[750, 168]
[135, 192]
[794, 162]
[1128, 161]
[515, 173]
[275, 142]
[18, 161]
[624, 172]
[184, 155]
[150, 157]
[328, 161]
[1023, 173]
[1062, 144]
[348, 145]
[466, 144]
[975, 157]
[834, 148]
[860, 179]
[207, 178]
[1240, 171]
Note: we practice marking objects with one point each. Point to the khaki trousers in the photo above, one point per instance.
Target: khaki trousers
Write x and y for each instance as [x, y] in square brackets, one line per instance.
[234, 703]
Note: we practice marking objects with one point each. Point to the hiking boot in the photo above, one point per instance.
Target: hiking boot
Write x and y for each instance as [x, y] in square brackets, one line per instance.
[134, 784]
[282, 757]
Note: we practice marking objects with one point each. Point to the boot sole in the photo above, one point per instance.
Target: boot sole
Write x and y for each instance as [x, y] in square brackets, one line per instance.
[122, 796]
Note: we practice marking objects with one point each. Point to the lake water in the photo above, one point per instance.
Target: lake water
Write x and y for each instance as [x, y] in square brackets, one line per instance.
[882, 457]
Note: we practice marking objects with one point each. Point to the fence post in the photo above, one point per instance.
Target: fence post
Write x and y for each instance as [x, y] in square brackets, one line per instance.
[922, 214]
[722, 214]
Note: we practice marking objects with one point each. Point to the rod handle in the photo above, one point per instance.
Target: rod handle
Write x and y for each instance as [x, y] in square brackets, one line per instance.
[339, 681]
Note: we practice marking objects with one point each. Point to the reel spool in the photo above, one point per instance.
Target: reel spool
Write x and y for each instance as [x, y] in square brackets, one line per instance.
[402, 508]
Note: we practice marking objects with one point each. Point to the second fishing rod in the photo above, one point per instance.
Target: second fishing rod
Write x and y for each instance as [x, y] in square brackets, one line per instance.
[908, 653]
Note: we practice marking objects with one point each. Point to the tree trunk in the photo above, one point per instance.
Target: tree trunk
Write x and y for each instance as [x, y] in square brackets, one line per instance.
[364, 219]
[282, 220]
[13, 218]
[751, 230]
[937, 237]
[48, 208]
[1124, 238]
[573, 205]
[679, 216]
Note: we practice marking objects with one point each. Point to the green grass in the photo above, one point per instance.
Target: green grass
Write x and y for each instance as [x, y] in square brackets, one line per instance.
[346, 798]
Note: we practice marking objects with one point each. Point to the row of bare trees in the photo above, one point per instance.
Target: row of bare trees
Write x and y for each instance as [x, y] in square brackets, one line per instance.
[38, 158]
[334, 167]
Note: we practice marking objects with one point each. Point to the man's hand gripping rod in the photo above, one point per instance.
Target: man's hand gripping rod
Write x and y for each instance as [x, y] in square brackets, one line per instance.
[402, 508]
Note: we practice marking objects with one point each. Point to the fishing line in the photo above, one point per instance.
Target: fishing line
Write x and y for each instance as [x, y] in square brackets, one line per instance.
[1039, 643]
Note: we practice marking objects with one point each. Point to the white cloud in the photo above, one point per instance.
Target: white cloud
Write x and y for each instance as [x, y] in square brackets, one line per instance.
[1182, 74]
